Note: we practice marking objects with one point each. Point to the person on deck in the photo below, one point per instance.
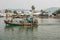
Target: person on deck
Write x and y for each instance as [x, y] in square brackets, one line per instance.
[30, 20]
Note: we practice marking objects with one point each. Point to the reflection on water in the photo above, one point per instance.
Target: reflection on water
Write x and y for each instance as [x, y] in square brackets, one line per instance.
[23, 28]
[20, 32]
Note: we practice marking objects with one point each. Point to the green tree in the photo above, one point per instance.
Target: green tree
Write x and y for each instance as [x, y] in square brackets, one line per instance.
[33, 7]
[15, 12]
[42, 11]
[6, 11]
[57, 11]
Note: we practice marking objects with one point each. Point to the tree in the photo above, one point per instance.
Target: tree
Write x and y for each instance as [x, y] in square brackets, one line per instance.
[57, 11]
[15, 12]
[33, 7]
[42, 11]
[6, 11]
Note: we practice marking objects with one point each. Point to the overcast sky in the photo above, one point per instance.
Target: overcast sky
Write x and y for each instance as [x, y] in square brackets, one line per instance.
[26, 4]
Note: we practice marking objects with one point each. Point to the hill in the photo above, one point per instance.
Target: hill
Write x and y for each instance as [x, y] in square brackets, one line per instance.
[52, 9]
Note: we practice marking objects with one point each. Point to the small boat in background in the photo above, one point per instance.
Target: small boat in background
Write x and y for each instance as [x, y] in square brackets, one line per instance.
[2, 15]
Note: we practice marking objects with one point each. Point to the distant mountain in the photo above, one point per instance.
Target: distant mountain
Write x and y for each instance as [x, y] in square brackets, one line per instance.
[18, 9]
[52, 9]
[22, 10]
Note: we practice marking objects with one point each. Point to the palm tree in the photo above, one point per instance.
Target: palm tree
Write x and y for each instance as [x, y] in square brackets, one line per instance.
[33, 8]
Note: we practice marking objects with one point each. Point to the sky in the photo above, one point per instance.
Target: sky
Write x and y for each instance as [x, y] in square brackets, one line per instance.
[26, 4]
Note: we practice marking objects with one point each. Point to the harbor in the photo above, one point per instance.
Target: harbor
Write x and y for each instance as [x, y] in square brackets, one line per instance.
[29, 19]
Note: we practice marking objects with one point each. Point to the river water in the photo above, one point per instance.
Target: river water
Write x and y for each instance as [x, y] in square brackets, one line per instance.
[48, 29]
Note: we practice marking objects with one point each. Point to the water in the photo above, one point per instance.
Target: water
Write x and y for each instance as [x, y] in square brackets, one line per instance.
[48, 29]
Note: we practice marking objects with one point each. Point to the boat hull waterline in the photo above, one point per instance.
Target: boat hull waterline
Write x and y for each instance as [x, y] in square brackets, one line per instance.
[21, 24]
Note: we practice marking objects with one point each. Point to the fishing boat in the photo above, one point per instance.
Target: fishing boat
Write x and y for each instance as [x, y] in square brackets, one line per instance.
[21, 23]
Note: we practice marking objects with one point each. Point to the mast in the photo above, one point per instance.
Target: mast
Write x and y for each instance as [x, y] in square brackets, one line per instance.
[33, 9]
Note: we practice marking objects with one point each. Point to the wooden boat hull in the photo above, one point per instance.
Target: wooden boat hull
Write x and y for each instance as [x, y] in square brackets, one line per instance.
[20, 24]
[11, 24]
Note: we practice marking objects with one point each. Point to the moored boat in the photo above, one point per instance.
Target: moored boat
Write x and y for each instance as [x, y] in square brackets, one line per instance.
[21, 23]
